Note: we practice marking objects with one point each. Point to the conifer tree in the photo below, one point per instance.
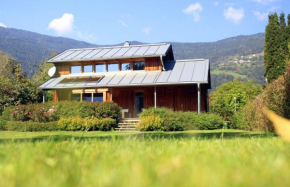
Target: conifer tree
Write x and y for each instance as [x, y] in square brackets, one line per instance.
[272, 59]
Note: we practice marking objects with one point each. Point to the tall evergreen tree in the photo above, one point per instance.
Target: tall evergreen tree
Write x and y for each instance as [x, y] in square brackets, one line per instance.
[273, 65]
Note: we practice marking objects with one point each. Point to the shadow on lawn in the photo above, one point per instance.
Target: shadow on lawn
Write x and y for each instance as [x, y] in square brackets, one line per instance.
[143, 136]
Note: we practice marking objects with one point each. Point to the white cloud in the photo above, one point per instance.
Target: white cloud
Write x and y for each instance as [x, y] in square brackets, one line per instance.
[86, 36]
[123, 23]
[264, 2]
[63, 25]
[262, 16]
[216, 3]
[2, 25]
[147, 30]
[234, 15]
[194, 9]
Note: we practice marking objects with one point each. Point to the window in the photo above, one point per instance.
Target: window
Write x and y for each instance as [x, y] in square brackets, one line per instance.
[98, 97]
[87, 97]
[76, 69]
[88, 68]
[139, 65]
[76, 97]
[125, 66]
[113, 67]
[100, 68]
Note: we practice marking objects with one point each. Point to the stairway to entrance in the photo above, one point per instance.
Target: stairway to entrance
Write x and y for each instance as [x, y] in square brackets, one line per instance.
[127, 124]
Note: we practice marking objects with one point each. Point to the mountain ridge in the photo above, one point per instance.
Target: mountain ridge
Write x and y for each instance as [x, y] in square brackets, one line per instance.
[30, 48]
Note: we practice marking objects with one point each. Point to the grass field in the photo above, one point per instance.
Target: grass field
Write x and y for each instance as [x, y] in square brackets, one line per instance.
[192, 158]
[217, 72]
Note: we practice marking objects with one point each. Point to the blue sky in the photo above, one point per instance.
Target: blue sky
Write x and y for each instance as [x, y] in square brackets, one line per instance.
[111, 22]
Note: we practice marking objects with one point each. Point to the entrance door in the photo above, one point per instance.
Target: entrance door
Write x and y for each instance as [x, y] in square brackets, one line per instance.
[139, 102]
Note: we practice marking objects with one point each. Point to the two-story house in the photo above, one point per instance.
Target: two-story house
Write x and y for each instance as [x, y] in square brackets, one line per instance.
[133, 76]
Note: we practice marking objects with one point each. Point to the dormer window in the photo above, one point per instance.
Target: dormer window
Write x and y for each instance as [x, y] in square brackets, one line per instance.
[100, 68]
[88, 68]
[76, 69]
[113, 67]
[140, 65]
[125, 66]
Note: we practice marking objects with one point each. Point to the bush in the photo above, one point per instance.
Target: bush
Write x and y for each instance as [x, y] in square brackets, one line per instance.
[150, 123]
[108, 110]
[88, 123]
[6, 116]
[31, 126]
[251, 117]
[168, 116]
[202, 121]
[166, 119]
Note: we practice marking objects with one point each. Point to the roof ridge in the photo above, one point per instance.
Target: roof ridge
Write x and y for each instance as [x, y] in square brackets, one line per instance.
[114, 46]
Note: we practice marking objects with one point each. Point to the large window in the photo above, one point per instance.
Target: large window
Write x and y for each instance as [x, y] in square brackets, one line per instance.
[100, 68]
[98, 97]
[87, 97]
[126, 66]
[139, 65]
[113, 67]
[76, 69]
[88, 68]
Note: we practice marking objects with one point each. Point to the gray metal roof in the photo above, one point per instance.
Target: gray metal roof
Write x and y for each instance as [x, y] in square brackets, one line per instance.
[114, 52]
[176, 73]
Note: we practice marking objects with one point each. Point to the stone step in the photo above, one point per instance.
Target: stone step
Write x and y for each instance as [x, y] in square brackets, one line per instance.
[125, 129]
[129, 121]
[126, 125]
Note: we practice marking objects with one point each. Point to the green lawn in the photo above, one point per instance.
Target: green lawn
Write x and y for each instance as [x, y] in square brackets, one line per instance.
[191, 158]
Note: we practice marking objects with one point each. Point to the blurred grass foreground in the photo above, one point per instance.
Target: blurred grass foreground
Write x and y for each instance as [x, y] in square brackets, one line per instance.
[190, 158]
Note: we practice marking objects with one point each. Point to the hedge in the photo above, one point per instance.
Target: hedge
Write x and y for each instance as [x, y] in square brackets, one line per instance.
[30, 126]
[88, 123]
[164, 119]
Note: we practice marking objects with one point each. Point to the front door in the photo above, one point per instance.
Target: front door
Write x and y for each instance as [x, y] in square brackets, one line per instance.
[139, 102]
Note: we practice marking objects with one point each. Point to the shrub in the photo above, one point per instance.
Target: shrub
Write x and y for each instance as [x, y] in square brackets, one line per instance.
[202, 121]
[168, 116]
[151, 123]
[108, 110]
[167, 119]
[6, 116]
[31, 126]
[88, 123]
[252, 117]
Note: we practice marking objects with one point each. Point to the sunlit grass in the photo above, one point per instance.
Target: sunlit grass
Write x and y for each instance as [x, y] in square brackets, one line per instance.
[142, 160]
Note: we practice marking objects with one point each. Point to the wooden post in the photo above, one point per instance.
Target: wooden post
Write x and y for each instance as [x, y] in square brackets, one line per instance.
[198, 97]
[155, 105]
[111, 93]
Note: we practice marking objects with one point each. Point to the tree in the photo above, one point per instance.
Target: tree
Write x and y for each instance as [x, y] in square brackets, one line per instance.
[277, 37]
[17, 89]
[222, 100]
[274, 63]
[41, 76]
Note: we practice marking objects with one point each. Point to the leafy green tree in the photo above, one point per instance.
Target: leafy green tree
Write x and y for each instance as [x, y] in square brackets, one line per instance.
[222, 100]
[17, 89]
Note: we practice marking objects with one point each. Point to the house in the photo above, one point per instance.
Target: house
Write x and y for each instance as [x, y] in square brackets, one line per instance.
[133, 76]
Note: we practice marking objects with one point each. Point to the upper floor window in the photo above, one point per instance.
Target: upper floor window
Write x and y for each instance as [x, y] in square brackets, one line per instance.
[139, 65]
[125, 66]
[88, 68]
[100, 68]
[76, 69]
[113, 67]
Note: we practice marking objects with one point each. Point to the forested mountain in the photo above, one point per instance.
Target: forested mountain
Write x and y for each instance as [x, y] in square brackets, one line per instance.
[30, 48]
